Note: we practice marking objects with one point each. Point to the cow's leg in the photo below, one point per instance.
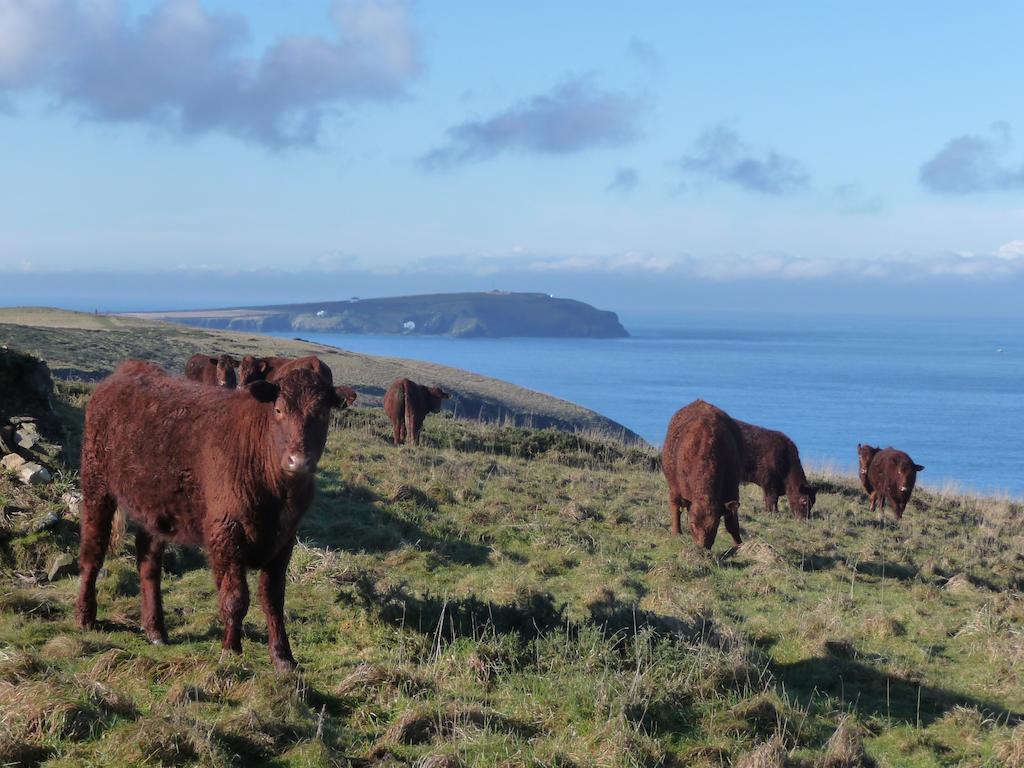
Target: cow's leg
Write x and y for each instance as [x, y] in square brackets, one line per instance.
[149, 553]
[397, 430]
[898, 507]
[674, 509]
[229, 573]
[98, 510]
[771, 501]
[732, 525]
[412, 426]
[873, 498]
[272, 583]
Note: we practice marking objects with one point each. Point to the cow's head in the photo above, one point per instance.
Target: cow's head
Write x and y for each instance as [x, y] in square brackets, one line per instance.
[253, 369]
[435, 398]
[301, 407]
[226, 366]
[904, 472]
[801, 502]
[347, 395]
[704, 520]
[865, 453]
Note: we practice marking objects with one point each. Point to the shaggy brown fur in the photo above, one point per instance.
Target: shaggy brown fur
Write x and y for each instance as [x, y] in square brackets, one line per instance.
[228, 470]
[218, 371]
[274, 368]
[773, 463]
[703, 460]
[407, 405]
[865, 453]
[891, 476]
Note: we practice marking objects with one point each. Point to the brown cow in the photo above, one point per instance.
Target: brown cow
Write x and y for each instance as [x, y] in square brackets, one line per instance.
[274, 368]
[703, 461]
[865, 453]
[228, 470]
[891, 477]
[407, 405]
[218, 371]
[773, 463]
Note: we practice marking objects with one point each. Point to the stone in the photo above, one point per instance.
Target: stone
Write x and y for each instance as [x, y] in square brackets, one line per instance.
[12, 461]
[47, 521]
[62, 566]
[26, 436]
[23, 420]
[73, 499]
[31, 473]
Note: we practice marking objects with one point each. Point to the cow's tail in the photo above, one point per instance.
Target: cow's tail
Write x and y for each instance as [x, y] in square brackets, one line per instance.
[117, 532]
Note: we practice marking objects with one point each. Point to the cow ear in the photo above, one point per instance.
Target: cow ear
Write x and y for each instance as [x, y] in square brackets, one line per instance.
[347, 395]
[213, 360]
[264, 391]
[732, 506]
[263, 366]
[918, 468]
[445, 395]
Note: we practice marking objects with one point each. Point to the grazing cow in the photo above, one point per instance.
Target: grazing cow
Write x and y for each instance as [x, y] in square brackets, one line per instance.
[274, 368]
[219, 371]
[891, 476]
[773, 463]
[230, 471]
[407, 405]
[865, 453]
[703, 461]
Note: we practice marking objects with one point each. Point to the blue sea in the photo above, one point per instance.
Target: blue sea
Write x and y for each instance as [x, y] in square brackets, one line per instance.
[949, 392]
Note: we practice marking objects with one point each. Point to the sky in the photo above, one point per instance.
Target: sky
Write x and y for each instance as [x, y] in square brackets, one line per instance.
[645, 156]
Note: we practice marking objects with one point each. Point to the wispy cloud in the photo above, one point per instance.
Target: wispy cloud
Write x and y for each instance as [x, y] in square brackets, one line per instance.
[972, 163]
[646, 55]
[721, 155]
[624, 180]
[853, 199]
[572, 117]
[178, 66]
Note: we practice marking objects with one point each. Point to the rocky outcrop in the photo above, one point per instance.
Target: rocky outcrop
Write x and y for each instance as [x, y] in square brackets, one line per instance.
[30, 433]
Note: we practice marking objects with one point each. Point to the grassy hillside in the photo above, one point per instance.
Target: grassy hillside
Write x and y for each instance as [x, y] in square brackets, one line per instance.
[82, 345]
[490, 314]
[506, 597]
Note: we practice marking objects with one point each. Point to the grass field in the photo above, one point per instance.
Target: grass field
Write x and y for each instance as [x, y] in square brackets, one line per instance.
[504, 597]
[87, 346]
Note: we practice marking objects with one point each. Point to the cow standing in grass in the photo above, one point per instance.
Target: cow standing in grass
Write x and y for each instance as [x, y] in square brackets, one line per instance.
[773, 463]
[891, 476]
[230, 471]
[407, 405]
[702, 459]
[218, 371]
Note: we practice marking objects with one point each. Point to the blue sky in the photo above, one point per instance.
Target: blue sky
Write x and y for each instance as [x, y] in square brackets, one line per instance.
[625, 153]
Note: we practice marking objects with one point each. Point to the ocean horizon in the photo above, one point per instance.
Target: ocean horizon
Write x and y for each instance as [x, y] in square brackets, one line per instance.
[947, 391]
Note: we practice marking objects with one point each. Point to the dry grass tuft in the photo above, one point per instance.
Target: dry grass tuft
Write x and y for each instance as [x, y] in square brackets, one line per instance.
[845, 748]
[771, 754]
[439, 761]
[1011, 750]
[959, 584]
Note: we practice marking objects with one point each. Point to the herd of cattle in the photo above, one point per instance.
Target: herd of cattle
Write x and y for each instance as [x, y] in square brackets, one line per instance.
[224, 457]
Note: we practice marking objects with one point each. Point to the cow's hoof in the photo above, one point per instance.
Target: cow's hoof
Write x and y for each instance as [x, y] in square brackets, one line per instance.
[285, 666]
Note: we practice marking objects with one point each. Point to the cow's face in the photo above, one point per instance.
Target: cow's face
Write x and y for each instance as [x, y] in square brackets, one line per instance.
[226, 366]
[435, 398]
[865, 453]
[252, 369]
[302, 403]
[704, 524]
[346, 395]
[802, 502]
[905, 473]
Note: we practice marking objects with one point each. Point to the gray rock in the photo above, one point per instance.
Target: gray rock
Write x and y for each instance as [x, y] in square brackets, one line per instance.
[62, 566]
[47, 521]
[74, 501]
[12, 461]
[23, 420]
[26, 436]
[31, 473]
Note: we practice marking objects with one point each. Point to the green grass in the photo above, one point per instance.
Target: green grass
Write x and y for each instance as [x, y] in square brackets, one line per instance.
[502, 597]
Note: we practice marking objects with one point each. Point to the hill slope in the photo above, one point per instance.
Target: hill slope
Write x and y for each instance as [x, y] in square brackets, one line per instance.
[497, 313]
[506, 597]
[81, 345]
